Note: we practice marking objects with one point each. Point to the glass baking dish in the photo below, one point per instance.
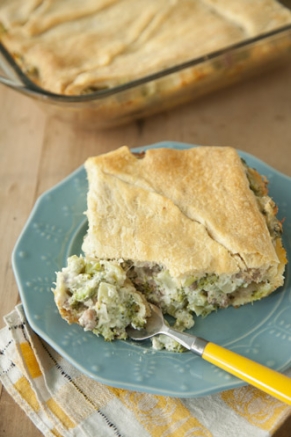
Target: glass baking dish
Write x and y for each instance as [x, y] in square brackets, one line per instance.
[160, 91]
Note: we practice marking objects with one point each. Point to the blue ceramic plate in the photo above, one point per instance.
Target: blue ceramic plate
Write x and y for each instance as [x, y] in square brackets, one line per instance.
[55, 230]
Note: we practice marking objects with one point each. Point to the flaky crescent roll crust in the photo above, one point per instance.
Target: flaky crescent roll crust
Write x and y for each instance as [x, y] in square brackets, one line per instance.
[76, 47]
[191, 211]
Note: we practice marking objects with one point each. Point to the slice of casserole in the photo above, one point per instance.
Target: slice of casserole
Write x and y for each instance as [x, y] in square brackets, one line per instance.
[191, 230]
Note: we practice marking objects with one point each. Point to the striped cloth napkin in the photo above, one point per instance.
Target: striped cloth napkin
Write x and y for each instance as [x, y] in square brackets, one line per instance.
[63, 402]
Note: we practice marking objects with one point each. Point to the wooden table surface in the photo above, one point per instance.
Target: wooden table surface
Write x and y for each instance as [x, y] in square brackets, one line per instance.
[37, 151]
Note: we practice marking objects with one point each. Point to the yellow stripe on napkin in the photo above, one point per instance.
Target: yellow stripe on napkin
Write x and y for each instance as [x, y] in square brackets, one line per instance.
[30, 360]
[24, 389]
[60, 414]
[55, 432]
[258, 408]
[159, 414]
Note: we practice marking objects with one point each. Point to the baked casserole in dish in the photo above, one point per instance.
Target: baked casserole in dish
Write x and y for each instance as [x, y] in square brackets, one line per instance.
[109, 61]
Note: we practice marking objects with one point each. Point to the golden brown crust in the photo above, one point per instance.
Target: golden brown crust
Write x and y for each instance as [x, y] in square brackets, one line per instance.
[73, 45]
[68, 315]
[254, 16]
[191, 211]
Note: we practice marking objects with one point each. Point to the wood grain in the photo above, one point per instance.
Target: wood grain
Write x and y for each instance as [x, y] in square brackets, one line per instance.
[37, 151]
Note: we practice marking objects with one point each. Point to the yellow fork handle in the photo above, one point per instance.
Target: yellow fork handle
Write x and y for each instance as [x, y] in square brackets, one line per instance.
[267, 380]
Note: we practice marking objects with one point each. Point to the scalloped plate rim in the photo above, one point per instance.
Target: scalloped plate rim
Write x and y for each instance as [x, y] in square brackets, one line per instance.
[139, 386]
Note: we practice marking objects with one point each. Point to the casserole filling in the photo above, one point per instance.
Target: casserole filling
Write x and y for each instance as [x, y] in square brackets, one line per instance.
[99, 296]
